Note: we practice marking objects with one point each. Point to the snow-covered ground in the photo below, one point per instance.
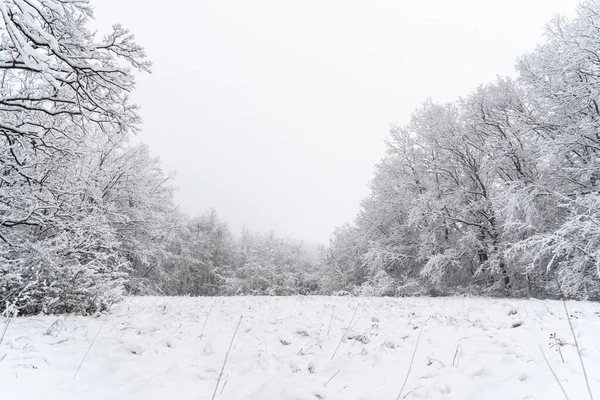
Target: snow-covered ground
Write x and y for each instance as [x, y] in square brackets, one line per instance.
[152, 348]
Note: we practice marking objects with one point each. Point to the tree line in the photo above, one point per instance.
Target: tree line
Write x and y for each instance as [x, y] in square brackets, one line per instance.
[496, 193]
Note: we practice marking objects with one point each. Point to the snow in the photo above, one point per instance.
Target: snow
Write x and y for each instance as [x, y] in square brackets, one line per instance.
[150, 348]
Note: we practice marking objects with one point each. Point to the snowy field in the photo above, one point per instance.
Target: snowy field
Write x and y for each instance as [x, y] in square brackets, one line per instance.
[153, 348]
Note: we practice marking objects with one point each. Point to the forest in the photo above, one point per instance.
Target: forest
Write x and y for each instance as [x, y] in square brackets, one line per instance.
[494, 194]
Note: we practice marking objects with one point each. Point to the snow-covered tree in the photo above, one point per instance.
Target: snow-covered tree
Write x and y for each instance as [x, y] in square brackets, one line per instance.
[562, 81]
[499, 190]
[63, 92]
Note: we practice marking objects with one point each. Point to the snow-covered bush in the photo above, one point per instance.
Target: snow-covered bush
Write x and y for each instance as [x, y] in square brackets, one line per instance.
[79, 272]
[381, 284]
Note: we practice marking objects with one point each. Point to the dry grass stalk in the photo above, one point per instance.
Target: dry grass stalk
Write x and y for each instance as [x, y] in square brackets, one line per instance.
[90, 348]
[206, 319]
[587, 382]
[226, 356]
[412, 359]
[5, 328]
[332, 377]
[345, 332]
[554, 374]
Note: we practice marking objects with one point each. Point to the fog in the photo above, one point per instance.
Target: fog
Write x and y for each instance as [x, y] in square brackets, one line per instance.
[275, 113]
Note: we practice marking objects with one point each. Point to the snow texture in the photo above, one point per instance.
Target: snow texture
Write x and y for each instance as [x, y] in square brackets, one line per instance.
[150, 348]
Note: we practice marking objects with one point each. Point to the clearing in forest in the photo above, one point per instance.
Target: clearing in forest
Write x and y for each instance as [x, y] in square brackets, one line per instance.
[305, 348]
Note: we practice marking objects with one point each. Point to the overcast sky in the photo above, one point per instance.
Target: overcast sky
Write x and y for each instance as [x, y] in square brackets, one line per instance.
[275, 112]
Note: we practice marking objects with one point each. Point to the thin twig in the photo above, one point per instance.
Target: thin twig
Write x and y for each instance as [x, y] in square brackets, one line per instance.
[90, 348]
[356, 322]
[561, 354]
[206, 320]
[345, 332]
[331, 319]
[5, 328]
[587, 382]
[456, 354]
[412, 359]
[553, 373]
[226, 356]
[224, 383]
[332, 377]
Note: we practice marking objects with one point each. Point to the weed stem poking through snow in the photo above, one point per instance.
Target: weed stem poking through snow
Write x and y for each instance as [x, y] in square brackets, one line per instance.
[553, 373]
[5, 328]
[226, 356]
[331, 320]
[587, 382]
[412, 359]
[206, 320]
[224, 383]
[456, 358]
[345, 332]
[332, 377]
[90, 348]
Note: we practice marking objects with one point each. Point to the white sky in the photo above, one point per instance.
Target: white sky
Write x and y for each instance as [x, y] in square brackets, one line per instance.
[275, 112]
